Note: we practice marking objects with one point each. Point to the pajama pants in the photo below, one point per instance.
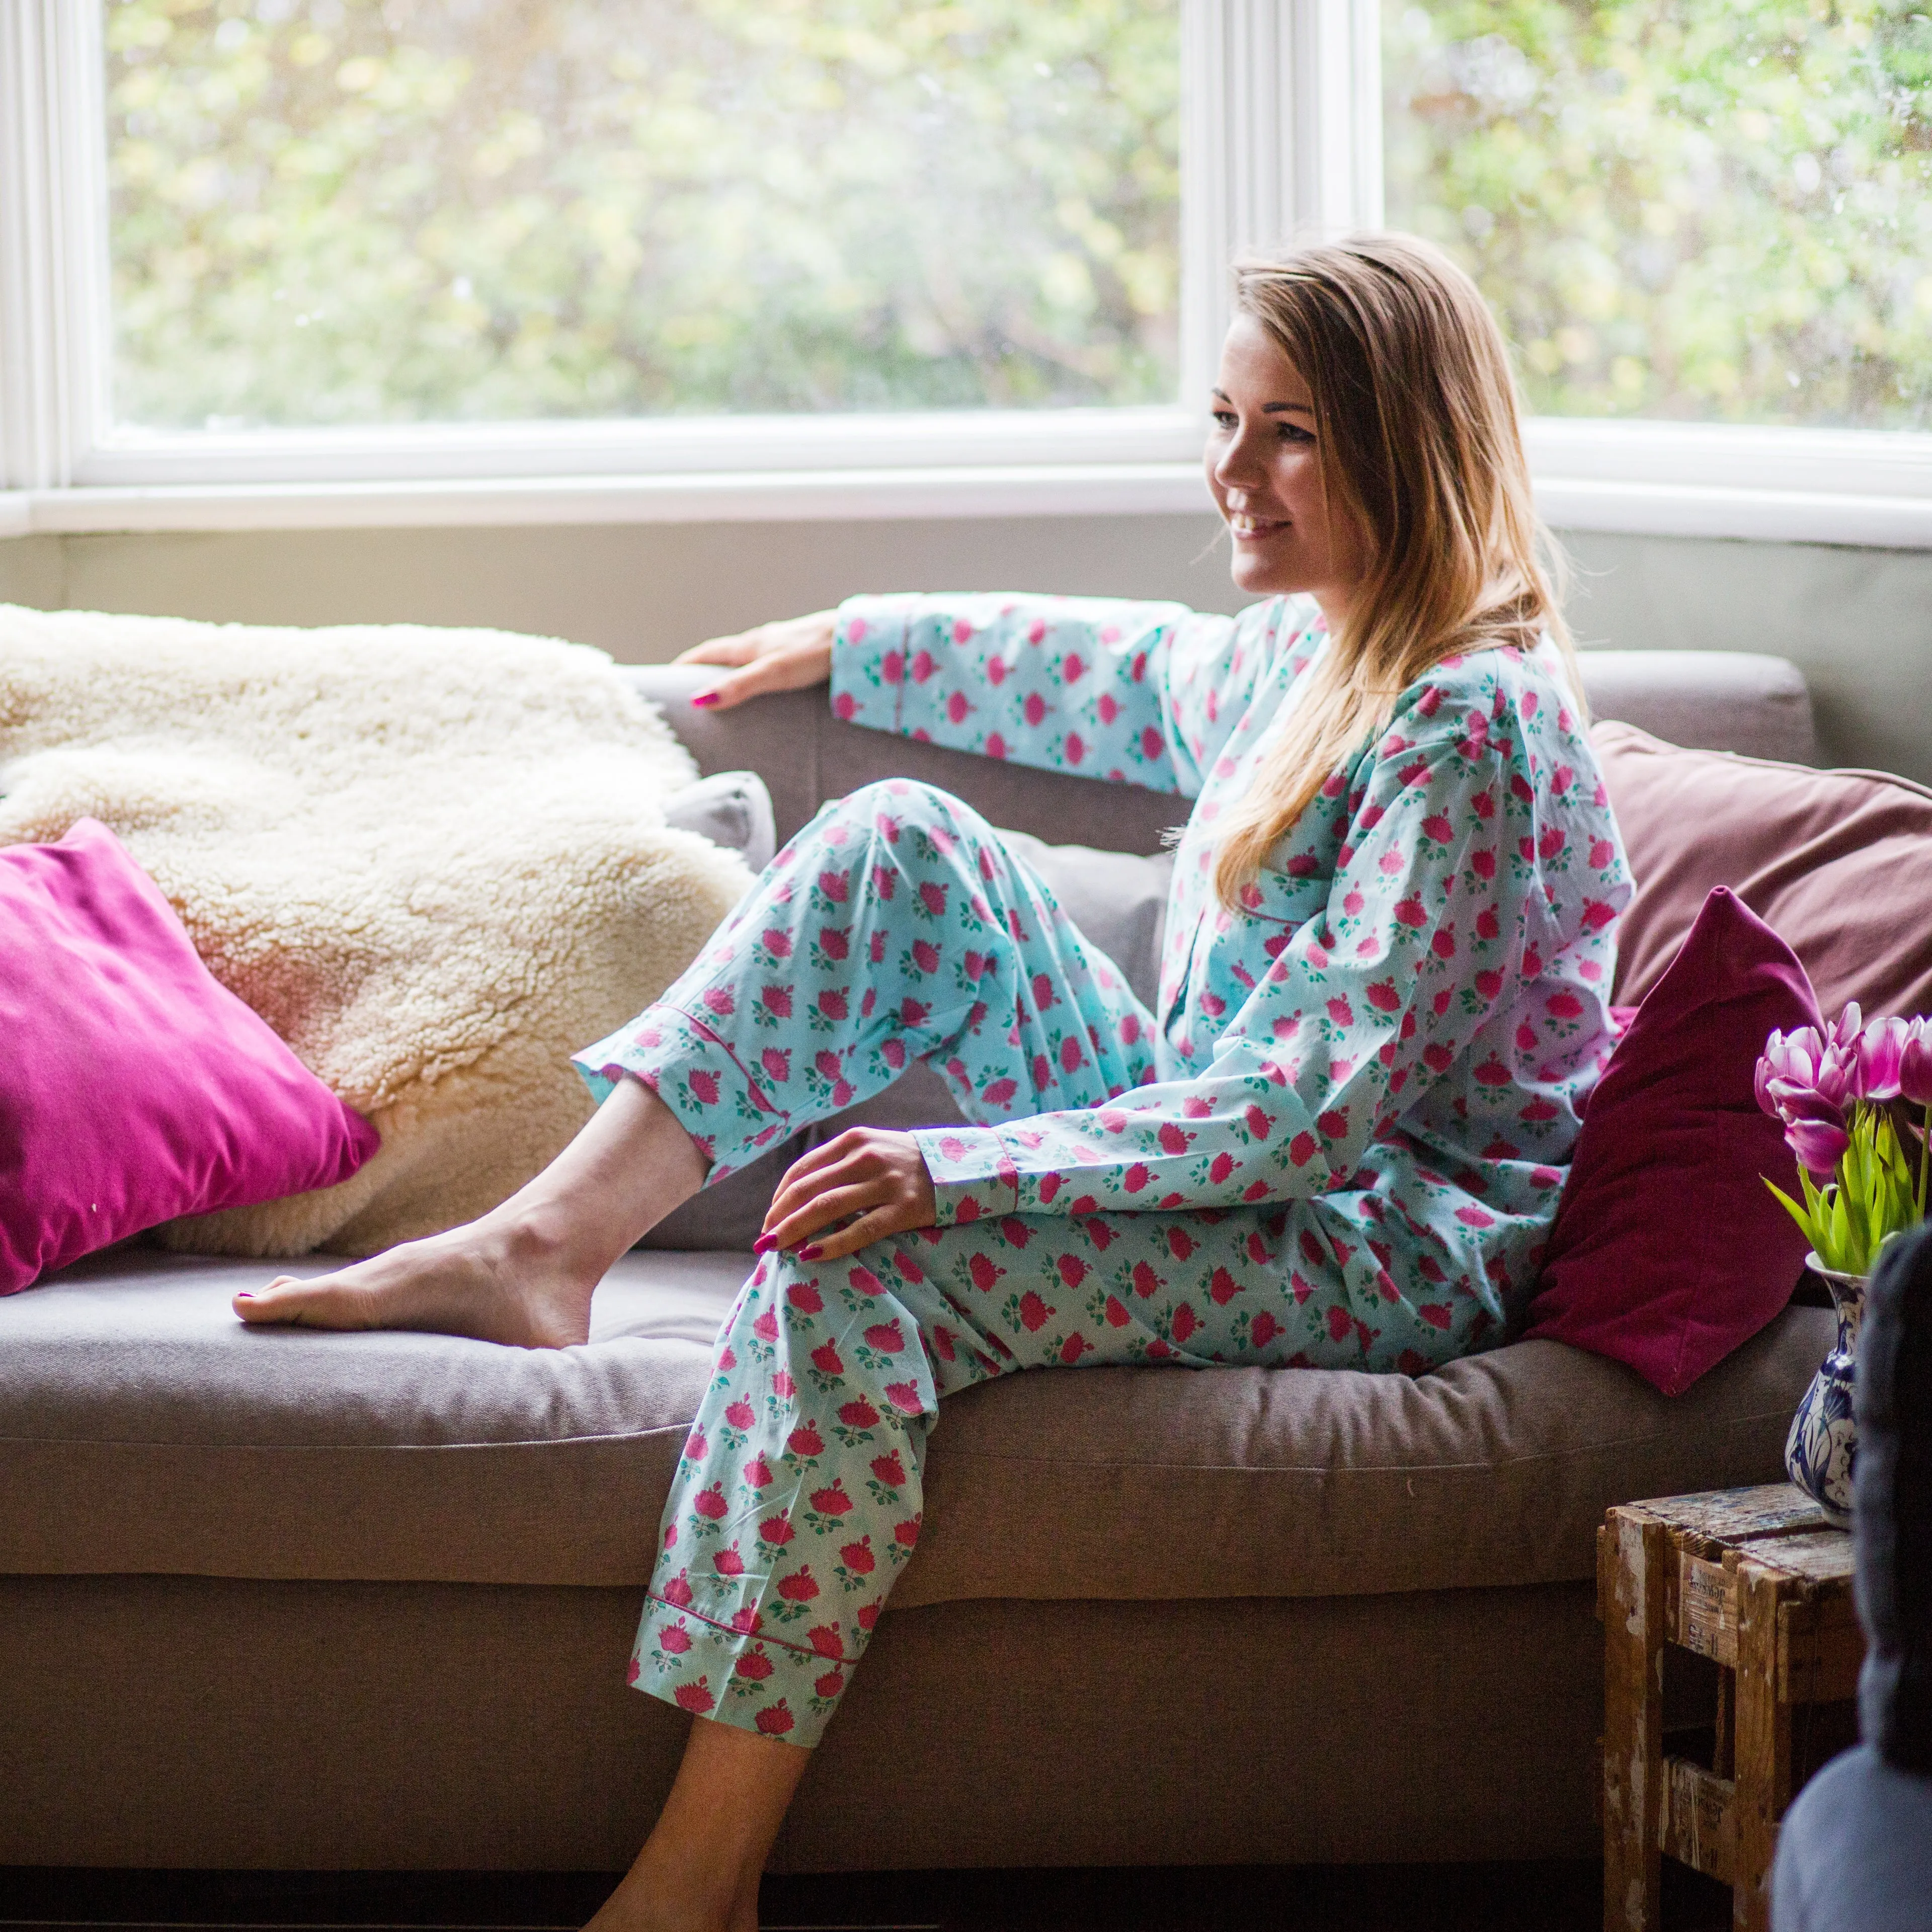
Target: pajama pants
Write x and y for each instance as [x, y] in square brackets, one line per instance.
[896, 925]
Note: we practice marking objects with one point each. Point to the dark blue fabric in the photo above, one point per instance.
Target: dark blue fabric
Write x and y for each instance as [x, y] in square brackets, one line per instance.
[1892, 1506]
[1855, 1851]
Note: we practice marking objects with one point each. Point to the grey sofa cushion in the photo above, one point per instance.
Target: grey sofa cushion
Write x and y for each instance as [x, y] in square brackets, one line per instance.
[806, 756]
[144, 1430]
[1742, 701]
[733, 809]
[1118, 899]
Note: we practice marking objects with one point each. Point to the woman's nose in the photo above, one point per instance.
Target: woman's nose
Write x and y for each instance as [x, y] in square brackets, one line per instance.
[1237, 467]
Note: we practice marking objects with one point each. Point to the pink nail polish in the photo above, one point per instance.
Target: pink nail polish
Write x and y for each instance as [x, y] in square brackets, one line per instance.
[764, 1244]
[706, 697]
[811, 1254]
[244, 1294]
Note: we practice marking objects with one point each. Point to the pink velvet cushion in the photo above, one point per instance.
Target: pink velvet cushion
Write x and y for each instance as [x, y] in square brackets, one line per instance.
[132, 1088]
[1839, 864]
[1668, 1250]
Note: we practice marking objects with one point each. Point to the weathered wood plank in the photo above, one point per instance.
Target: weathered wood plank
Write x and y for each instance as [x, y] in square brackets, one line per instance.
[1763, 1781]
[1637, 1559]
[1816, 1556]
[1820, 1647]
[1732, 1516]
[1699, 1830]
[1706, 1618]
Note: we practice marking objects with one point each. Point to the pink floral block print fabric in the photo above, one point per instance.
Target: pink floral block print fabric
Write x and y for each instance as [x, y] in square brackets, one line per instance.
[1339, 1142]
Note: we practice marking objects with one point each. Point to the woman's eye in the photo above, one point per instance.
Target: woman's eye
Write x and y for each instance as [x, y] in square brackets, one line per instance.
[1223, 419]
[1294, 433]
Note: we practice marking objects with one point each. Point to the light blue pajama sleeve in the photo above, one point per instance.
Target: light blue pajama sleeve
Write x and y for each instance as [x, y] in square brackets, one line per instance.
[1144, 694]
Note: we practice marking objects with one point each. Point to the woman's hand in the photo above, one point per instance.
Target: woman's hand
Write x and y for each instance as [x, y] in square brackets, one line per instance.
[792, 655]
[878, 1177]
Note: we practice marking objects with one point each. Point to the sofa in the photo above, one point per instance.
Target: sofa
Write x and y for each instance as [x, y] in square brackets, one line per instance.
[284, 1600]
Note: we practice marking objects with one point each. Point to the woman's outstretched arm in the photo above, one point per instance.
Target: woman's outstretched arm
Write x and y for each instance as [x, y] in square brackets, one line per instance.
[1142, 693]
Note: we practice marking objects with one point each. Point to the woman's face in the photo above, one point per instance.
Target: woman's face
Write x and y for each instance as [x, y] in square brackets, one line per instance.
[1265, 472]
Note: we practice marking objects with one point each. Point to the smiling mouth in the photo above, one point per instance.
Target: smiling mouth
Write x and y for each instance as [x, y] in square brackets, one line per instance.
[1245, 526]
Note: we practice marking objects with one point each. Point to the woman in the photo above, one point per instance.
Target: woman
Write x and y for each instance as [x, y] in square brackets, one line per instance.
[1340, 1141]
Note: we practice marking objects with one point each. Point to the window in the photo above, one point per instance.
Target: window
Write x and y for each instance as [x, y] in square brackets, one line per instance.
[1700, 210]
[304, 261]
[370, 211]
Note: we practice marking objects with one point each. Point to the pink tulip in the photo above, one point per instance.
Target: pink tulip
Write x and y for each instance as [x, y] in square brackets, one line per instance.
[1915, 1064]
[1838, 1076]
[1790, 1102]
[1844, 1030]
[1880, 1047]
[1792, 1057]
[1817, 1143]
[1801, 1062]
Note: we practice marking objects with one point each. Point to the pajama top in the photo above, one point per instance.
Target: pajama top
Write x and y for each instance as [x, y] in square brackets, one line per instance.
[1417, 982]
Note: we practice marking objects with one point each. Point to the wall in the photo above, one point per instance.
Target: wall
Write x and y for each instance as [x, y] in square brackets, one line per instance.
[1859, 622]
[33, 571]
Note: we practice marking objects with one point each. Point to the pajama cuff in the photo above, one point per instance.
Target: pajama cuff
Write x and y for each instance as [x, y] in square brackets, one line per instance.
[869, 631]
[770, 1686]
[972, 1173]
[716, 1101]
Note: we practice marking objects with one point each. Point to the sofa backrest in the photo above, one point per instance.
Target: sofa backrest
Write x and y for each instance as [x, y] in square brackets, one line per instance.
[1719, 700]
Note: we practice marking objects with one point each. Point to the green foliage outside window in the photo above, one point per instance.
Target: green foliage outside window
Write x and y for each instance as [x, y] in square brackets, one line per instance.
[389, 211]
[1711, 209]
[332, 211]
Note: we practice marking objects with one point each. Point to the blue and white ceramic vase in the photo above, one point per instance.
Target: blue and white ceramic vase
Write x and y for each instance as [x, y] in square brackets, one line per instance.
[1823, 1443]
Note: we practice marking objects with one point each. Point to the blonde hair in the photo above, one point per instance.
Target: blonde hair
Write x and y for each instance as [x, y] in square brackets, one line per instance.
[1418, 438]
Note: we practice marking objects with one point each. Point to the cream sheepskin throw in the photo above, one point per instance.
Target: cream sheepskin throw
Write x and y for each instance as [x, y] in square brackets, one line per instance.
[435, 862]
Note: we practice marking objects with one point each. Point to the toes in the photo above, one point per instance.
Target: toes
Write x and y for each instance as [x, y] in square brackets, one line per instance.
[260, 1304]
[290, 1300]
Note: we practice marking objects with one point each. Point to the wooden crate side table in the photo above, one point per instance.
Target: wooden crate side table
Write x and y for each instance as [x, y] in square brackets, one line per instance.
[1756, 1580]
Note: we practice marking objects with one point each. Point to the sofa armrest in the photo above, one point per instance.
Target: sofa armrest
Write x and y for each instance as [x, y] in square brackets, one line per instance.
[805, 756]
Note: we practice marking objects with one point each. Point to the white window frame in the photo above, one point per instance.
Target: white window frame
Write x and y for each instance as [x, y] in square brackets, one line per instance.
[1281, 131]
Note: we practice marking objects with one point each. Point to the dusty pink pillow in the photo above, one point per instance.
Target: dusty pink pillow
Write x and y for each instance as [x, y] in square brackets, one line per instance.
[1668, 1250]
[132, 1088]
[1839, 864]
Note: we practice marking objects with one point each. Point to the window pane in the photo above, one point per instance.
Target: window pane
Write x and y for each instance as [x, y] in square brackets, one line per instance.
[393, 211]
[1714, 209]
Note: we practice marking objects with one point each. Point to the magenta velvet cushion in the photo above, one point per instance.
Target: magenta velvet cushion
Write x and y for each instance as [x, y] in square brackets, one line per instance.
[1668, 1250]
[132, 1088]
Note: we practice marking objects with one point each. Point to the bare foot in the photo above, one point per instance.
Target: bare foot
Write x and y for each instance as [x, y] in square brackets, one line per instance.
[496, 1282]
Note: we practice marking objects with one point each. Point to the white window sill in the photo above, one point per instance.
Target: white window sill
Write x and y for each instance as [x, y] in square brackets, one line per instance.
[1126, 489]
[1778, 486]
